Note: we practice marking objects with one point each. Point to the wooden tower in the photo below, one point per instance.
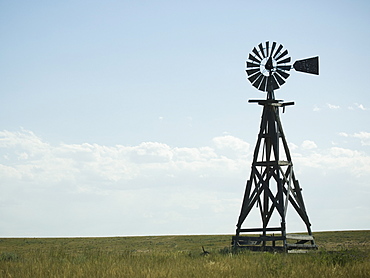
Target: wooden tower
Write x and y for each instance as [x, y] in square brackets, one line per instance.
[272, 185]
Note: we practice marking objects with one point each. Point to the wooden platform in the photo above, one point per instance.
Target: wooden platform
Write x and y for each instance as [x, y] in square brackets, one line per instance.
[274, 242]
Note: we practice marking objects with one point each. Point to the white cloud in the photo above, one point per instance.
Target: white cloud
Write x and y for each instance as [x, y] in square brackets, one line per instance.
[92, 185]
[341, 152]
[231, 143]
[29, 157]
[308, 145]
[363, 136]
[342, 160]
[292, 146]
[332, 106]
[360, 106]
[80, 178]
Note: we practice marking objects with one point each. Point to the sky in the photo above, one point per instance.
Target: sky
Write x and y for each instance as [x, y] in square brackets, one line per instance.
[129, 118]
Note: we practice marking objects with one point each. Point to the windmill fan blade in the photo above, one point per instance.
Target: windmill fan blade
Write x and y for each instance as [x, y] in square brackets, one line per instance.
[252, 71]
[279, 79]
[310, 65]
[278, 50]
[252, 65]
[283, 73]
[252, 78]
[282, 54]
[273, 48]
[258, 81]
[267, 49]
[256, 52]
[286, 60]
[251, 57]
[284, 67]
[262, 87]
[261, 48]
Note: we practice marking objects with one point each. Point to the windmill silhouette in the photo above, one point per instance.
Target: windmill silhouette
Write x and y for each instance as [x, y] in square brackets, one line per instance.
[272, 185]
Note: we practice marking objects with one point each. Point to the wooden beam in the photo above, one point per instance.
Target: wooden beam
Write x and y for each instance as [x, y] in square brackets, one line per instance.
[252, 230]
[299, 237]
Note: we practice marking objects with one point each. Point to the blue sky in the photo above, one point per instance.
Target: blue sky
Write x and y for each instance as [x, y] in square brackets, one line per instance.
[132, 117]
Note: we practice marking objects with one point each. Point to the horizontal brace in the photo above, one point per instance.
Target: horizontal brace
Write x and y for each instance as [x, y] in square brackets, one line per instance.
[287, 103]
[282, 104]
[272, 162]
[278, 229]
[261, 238]
[265, 100]
[272, 102]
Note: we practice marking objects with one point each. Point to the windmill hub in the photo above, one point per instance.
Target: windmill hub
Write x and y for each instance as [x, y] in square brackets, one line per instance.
[268, 65]
[272, 185]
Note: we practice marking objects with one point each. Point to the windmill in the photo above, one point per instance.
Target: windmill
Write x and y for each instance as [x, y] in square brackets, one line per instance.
[272, 185]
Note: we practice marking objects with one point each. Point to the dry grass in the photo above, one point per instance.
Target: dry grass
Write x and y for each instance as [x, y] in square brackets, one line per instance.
[341, 254]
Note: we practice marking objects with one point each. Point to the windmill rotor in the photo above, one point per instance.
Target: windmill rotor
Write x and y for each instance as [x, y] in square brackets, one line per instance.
[268, 66]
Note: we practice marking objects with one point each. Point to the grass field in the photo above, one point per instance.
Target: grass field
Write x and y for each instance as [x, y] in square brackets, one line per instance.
[340, 254]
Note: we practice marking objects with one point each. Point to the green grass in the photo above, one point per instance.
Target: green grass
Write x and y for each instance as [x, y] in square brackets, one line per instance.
[341, 254]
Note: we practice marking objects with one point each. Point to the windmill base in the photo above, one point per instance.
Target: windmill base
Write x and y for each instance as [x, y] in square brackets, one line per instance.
[274, 243]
